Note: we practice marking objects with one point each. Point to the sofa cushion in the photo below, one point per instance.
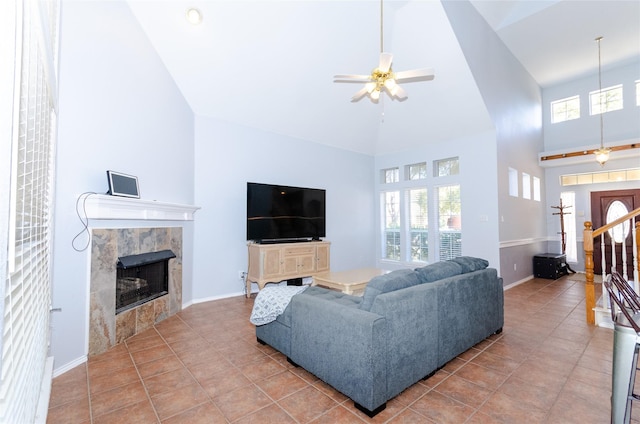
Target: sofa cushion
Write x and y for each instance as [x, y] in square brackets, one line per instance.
[395, 280]
[333, 296]
[437, 271]
[470, 264]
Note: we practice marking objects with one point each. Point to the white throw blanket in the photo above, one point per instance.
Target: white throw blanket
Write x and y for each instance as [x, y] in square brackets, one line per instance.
[271, 301]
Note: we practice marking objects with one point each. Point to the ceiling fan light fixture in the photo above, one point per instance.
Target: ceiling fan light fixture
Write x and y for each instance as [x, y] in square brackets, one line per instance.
[391, 85]
[383, 78]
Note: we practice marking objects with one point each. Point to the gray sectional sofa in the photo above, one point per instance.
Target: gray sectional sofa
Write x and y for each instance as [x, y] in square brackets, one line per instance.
[407, 325]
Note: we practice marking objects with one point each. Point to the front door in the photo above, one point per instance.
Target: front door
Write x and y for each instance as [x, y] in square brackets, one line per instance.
[607, 206]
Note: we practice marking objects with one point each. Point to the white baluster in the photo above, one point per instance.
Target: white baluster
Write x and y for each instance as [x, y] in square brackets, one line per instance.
[624, 256]
[635, 255]
[614, 262]
[603, 259]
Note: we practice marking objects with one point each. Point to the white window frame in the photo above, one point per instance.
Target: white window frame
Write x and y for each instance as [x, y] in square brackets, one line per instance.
[569, 200]
[452, 223]
[526, 186]
[608, 97]
[566, 109]
[536, 189]
[513, 182]
[390, 175]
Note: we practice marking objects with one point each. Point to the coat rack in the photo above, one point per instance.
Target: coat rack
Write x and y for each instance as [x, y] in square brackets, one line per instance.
[563, 234]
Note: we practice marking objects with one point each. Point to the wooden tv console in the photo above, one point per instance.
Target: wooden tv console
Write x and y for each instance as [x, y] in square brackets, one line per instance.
[273, 263]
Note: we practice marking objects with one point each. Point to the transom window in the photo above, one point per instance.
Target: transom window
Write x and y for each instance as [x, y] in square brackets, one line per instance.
[417, 171]
[391, 175]
[446, 167]
[607, 100]
[565, 109]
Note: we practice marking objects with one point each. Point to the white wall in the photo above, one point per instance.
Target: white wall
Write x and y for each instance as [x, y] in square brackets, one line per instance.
[119, 110]
[229, 155]
[619, 126]
[513, 99]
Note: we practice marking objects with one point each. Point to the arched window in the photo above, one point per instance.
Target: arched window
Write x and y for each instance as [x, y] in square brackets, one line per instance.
[620, 232]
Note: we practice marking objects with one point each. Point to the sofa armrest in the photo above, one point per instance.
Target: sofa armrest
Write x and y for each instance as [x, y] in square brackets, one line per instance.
[343, 346]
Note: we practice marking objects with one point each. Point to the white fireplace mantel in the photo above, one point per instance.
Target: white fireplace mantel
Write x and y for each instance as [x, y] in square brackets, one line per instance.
[100, 206]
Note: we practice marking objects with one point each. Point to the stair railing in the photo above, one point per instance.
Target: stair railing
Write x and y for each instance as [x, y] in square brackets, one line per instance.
[589, 235]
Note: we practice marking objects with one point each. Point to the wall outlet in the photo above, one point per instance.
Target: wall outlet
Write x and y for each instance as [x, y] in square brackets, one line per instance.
[241, 275]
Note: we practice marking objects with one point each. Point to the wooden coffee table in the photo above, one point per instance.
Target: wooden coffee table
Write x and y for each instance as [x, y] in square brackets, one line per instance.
[352, 281]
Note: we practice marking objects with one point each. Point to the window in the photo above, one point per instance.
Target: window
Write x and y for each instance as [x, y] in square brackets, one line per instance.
[391, 225]
[449, 222]
[536, 189]
[446, 167]
[571, 248]
[607, 100]
[619, 175]
[419, 225]
[565, 109]
[26, 297]
[526, 186]
[411, 207]
[417, 171]
[391, 175]
[620, 232]
[513, 182]
[638, 93]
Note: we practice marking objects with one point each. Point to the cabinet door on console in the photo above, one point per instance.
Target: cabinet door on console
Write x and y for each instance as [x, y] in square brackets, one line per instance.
[306, 264]
[271, 262]
[290, 265]
[322, 257]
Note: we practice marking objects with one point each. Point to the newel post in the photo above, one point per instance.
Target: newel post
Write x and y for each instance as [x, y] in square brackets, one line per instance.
[589, 287]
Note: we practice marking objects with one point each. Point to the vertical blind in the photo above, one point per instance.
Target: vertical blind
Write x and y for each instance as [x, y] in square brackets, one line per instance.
[26, 293]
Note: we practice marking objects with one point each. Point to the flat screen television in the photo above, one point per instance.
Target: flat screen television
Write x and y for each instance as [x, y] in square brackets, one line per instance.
[278, 213]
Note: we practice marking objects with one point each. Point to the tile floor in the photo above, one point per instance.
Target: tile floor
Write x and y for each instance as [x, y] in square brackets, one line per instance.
[204, 365]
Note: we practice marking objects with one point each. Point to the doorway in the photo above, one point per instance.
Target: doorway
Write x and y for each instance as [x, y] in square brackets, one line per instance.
[607, 206]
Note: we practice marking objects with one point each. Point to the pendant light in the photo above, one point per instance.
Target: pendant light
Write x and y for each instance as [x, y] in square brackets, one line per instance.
[602, 154]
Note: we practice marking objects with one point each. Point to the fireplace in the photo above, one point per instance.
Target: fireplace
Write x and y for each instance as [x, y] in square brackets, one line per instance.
[116, 254]
[141, 278]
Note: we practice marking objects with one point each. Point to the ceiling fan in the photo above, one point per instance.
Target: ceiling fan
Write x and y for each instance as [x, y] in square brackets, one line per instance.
[383, 78]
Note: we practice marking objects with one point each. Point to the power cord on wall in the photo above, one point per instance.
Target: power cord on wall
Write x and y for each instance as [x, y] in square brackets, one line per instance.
[84, 220]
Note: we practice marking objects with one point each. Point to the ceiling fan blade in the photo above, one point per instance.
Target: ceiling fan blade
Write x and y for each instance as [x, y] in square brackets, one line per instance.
[400, 94]
[352, 78]
[426, 74]
[385, 61]
[360, 94]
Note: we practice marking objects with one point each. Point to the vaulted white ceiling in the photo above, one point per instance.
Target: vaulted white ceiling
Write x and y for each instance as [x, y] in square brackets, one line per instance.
[269, 64]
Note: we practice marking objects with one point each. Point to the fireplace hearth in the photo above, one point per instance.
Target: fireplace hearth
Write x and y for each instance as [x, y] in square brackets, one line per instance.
[141, 278]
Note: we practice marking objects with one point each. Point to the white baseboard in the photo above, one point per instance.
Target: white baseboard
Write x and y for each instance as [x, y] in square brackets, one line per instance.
[45, 393]
[70, 365]
[517, 283]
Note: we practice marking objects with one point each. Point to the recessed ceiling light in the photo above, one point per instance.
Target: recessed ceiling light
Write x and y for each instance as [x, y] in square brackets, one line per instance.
[194, 16]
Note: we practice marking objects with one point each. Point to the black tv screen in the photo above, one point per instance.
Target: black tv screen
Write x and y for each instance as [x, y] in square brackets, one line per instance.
[280, 213]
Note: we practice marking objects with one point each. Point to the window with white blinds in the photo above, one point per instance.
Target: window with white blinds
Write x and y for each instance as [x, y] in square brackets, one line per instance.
[449, 222]
[26, 290]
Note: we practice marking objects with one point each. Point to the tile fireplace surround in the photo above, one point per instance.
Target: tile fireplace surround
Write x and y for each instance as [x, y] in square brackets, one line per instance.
[106, 329]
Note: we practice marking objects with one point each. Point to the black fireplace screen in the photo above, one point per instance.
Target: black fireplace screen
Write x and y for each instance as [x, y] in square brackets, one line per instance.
[141, 278]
